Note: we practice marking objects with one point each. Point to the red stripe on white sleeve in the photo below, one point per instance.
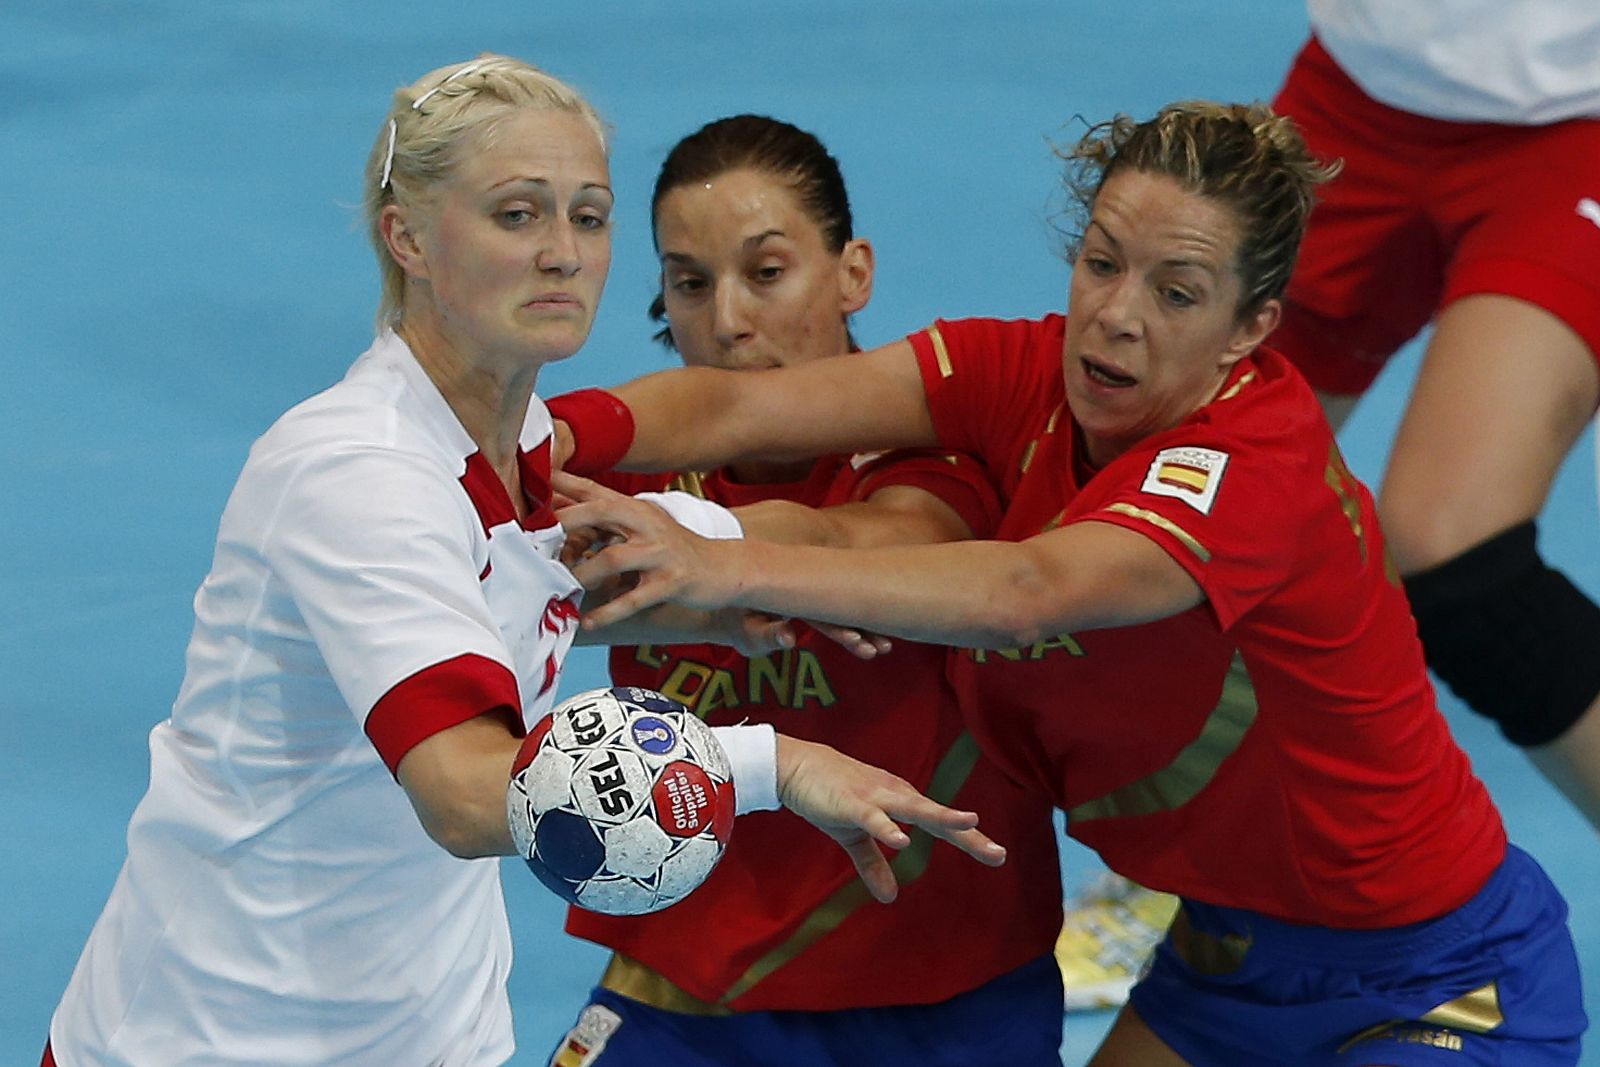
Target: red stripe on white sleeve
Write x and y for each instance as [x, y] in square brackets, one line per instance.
[437, 698]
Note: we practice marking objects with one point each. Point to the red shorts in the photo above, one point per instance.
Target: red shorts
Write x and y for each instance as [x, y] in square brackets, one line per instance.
[1427, 211]
[49, 1060]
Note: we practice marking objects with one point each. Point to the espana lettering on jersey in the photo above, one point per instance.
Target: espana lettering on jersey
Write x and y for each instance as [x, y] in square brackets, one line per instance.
[1036, 651]
[794, 678]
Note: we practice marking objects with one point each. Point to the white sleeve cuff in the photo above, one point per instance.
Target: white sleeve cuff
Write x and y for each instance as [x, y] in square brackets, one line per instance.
[704, 517]
[753, 755]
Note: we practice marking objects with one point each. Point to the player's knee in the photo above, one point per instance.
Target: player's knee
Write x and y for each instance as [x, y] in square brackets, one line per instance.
[1514, 639]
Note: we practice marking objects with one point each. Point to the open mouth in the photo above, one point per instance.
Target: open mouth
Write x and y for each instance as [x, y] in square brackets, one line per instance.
[1104, 375]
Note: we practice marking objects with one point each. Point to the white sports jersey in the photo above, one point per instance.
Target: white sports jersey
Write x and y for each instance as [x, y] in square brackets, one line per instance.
[1524, 62]
[280, 903]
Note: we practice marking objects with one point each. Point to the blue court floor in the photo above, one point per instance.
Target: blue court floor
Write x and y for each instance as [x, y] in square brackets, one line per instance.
[181, 260]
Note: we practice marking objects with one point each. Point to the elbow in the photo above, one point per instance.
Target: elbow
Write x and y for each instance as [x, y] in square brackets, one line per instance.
[1019, 616]
[469, 831]
[1010, 627]
[464, 845]
[461, 845]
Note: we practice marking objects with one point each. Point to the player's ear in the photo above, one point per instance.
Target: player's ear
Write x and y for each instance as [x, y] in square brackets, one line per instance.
[1252, 330]
[856, 265]
[402, 238]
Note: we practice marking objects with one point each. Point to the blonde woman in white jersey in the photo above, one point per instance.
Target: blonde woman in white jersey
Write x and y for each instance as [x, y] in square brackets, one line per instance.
[1470, 133]
[310, 878]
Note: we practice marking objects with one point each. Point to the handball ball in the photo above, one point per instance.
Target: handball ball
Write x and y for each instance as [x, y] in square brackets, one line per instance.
[621, 800]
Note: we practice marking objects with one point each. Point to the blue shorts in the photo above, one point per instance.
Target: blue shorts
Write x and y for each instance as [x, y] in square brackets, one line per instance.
[1493, 982]
[1014, 1019]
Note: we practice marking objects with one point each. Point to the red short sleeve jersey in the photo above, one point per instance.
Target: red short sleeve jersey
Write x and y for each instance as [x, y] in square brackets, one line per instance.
[783, 923]
[1276, 747]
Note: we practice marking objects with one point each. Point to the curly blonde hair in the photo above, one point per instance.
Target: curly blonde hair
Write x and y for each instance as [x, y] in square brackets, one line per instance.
[433, 123]
[1243, 155]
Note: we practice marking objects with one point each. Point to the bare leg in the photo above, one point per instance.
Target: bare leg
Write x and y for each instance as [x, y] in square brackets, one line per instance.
[1572, 763]
[1504, 392]
[1131, 1043]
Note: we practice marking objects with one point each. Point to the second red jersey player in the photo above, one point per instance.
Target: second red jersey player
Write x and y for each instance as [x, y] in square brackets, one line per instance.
[780, 924]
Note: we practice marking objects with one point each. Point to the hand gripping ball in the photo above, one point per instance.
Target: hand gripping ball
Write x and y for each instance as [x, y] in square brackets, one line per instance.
[621, 800]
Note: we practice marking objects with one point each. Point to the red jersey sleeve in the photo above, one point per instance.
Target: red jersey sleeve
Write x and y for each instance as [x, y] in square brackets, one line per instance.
[437, 698]
[980, 375]
[953, 477]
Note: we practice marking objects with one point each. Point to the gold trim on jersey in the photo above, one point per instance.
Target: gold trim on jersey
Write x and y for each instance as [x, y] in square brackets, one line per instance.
[1347, 489]
[1027, 455]
[634, 980]
[1161, 522]
[1033, 445]
[1233, 390]
[908, 865]
[1391, 569]
[1176, 784]
[1207, 953]
[941, 354]
[691, 482]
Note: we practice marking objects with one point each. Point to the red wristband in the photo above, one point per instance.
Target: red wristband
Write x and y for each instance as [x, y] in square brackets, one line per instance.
[602, 429]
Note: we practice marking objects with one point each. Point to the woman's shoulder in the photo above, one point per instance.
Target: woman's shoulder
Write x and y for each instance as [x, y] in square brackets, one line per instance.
[988, 334]
[384, 402]
[1264, 426]
[990, 353]
[1265, 399]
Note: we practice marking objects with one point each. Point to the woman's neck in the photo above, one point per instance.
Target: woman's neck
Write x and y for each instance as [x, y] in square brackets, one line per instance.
[1097, 451]
[489, 397]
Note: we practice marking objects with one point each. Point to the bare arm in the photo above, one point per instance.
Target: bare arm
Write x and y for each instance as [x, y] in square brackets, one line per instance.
[894, 515]
[696, 418]
[983, 594]
[977, 594]
[456, 780]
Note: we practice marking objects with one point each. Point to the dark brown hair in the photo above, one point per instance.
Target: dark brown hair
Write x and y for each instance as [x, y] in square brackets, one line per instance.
[756, 142]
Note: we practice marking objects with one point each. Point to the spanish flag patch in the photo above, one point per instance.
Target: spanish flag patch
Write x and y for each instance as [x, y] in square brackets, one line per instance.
[585, 1041]
[1189, 474]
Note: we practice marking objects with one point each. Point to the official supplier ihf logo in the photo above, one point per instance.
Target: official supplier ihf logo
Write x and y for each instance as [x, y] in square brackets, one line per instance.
[653, 735]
